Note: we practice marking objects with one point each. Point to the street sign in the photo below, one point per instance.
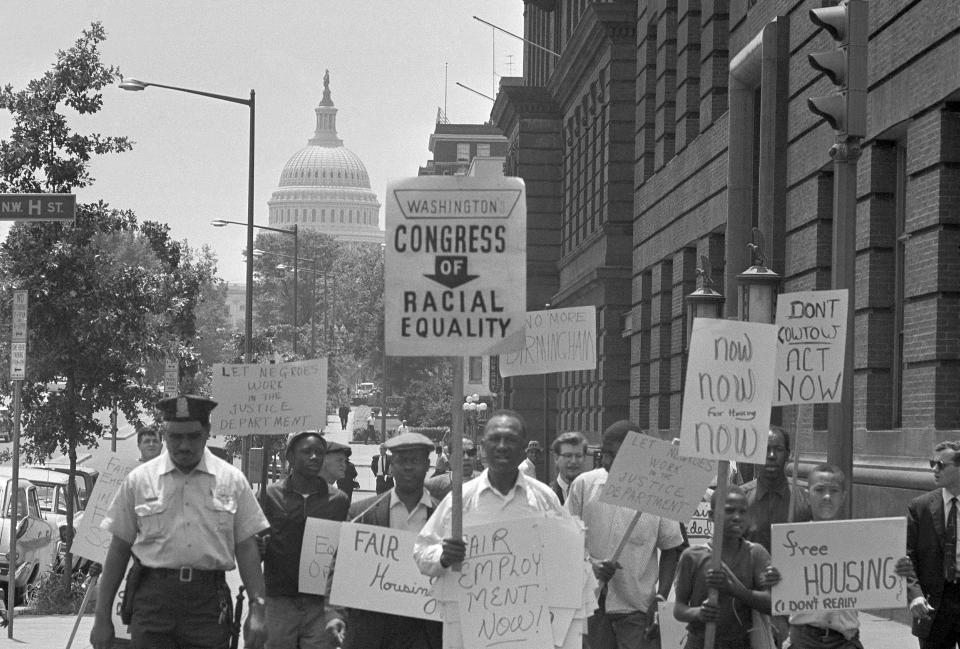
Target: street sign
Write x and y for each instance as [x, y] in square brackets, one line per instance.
[494, 383]
[171, 377]
[18, 344]
[38, 207]
[455, 265]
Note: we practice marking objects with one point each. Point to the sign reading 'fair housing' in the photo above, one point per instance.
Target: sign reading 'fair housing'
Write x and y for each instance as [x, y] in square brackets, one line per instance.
[726, 399]
[270, 398]
[821, 569]
[376, 572]
[811, 338]
[649, 475]
[556, 340]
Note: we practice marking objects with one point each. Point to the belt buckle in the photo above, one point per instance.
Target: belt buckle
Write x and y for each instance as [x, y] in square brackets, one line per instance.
[186, 574]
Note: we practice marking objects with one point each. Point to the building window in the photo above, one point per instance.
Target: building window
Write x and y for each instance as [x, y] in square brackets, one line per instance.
[463, 152]
[483, 150]
[899, 284]
[475, 374]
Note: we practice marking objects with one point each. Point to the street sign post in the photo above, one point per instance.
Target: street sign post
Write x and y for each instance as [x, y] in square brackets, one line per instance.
[18, 368]
[455, 264]
[38, 207]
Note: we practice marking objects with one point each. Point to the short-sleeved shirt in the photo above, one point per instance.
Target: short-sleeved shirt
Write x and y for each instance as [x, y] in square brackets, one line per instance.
[287, 512]
[174, 519]
[748, 564]
[633, 587]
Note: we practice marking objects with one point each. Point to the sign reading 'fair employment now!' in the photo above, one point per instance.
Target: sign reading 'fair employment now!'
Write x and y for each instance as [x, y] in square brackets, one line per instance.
[90, 541]
[726, 399]
[838, 565]
[554, 340]
[811, 339]
[455, 264]
[270, 398]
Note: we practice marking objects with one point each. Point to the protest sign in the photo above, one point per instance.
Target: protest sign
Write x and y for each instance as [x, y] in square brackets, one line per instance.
[726, 398]
[376, 572]
[455, 264]
[822, 568]
[320, 539]
[700, 527]
[91, 542]
[649, 475]
[563, 543]
[673, 632]
[811, 339]
[555, 340]
[500, 593]
[269, 398]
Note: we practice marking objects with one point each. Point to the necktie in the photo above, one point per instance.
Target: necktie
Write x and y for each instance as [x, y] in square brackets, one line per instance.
[950, 546]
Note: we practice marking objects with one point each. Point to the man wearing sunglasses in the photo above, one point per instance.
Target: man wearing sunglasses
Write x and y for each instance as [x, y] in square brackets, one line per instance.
[439, 485]
[932, 547]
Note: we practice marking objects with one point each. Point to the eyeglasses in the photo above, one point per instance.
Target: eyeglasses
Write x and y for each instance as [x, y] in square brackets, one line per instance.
[571, 456]
[939, 464]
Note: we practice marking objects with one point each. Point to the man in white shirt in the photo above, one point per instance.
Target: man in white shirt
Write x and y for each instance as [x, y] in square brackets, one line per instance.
[529, 464]
[501, 492]
[631, 586]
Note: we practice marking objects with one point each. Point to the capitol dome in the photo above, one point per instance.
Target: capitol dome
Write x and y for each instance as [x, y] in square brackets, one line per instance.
[324, 186]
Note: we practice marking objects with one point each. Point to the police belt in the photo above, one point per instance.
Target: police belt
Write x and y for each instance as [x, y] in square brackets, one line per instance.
[186, 574]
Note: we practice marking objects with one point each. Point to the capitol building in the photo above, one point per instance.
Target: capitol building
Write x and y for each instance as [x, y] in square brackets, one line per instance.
[324, 186]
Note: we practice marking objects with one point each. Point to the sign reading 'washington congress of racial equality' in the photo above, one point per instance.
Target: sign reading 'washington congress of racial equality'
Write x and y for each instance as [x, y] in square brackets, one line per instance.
[455, 264]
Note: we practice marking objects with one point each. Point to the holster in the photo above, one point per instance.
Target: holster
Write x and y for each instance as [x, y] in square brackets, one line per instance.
[134, 575]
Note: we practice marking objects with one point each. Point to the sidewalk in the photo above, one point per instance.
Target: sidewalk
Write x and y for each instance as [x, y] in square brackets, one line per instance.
[52, 632]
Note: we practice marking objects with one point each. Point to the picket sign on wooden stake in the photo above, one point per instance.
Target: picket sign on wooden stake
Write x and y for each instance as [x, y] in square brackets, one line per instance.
[716, 551]
[91, 586]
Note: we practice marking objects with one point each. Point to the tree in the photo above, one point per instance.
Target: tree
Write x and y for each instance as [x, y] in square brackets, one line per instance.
[107, 294]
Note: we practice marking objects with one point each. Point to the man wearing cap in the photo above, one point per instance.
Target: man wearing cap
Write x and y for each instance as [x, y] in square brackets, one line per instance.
[296, 619]
[529, 464]
[501, 492]
[188, 517]
[334, 469]
[405, 507]
[439, 485]
[632, 585]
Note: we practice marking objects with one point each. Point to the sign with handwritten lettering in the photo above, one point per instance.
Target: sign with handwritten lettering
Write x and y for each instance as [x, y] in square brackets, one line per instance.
[649, 475]
[501, 597]
[700, 525]
[811, 339]
[726, 398]
[92, 542]
[320, 539]
[269, 398]
[555, 340]
[376, 572]
[823, 569]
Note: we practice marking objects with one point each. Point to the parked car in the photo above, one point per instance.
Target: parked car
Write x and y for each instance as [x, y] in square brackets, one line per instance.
[36, 536]
[86, 477]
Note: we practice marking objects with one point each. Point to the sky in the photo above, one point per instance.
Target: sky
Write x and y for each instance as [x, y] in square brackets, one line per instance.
[388, 62]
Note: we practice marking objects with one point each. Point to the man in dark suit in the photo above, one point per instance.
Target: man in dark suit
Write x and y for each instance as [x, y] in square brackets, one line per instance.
[406, 507]
[380, 466]
[569, 450]
[932, 547]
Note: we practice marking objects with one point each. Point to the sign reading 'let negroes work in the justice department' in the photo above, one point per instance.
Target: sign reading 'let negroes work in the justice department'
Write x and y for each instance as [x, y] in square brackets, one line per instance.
[455, 264]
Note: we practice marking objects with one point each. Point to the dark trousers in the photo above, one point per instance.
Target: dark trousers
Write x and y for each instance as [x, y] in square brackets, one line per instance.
[806, 636]
[171, 614]
[945, 631]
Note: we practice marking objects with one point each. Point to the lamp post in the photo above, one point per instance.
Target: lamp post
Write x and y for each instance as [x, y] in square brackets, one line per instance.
[758, 286]
[310, 268]
[703, 302]
[136, 85]
[292, 230]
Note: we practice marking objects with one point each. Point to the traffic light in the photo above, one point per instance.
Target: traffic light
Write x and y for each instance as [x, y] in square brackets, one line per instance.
[846, 66]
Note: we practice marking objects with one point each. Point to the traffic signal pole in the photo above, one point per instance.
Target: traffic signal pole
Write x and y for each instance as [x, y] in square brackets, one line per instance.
[844, 109]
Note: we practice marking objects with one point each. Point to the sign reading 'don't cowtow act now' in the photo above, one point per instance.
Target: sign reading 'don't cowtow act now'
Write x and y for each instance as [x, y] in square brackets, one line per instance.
[269, 398]
[455, 264]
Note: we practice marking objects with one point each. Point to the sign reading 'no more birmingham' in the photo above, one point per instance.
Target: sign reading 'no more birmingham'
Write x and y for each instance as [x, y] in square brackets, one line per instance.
[455, 264]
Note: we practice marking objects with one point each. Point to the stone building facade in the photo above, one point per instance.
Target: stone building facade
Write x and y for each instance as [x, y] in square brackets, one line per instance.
[659, 132]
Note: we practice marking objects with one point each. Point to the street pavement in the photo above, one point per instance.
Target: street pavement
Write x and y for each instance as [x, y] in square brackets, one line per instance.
[53, 631]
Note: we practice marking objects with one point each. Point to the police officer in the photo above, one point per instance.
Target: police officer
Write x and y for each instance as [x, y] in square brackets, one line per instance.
[187, 517]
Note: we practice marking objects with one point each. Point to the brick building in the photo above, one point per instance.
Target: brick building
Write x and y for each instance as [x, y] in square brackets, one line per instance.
[657, 132]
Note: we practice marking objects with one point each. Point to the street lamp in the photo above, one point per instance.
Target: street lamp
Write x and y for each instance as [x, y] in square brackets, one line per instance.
[312, 268]
[136, 85]
[292, 230]
[758, 286]
[703, 302]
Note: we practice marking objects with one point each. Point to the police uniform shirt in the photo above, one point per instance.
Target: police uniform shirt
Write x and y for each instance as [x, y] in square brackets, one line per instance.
[190, 520]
